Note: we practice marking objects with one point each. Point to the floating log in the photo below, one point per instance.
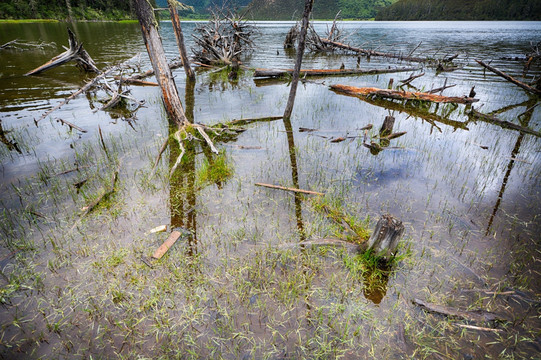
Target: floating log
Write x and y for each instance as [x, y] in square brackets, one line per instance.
[401, 95]
[75, 52]
[509, 78]
[374, 53]
[135, 81]
[477, 316]
[290, 189]
[503, 123]
[261, 73]
[384, 240]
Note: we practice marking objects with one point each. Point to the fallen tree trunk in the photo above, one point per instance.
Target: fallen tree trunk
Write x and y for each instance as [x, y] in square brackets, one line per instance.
[75, 52]
[509, 78]
[368, 52]
[260, 73]
[401, 95]
[503, 123]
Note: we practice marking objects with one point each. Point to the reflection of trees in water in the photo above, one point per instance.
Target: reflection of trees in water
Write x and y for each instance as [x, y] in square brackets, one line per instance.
[524, 120]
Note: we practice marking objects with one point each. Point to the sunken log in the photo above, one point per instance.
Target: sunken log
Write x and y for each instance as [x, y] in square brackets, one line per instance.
[156, 53]
[75, 52]
[401, 95]
[384, 240]
[510, 78]
[368, 52]
[262, 73]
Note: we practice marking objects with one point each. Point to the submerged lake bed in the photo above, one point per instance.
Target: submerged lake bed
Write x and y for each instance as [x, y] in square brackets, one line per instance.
[235, 285]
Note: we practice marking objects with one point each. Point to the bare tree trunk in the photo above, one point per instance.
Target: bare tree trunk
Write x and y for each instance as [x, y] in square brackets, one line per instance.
[300, 51]
[70, 14]
[153, 42]
[180, 41]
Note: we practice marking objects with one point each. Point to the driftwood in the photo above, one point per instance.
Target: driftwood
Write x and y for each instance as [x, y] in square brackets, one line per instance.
[387, 127]
[291, 37]
[509, 78]
[71, 126]
[503, 123]
[368, 52]
[290, 189]
[259, 73]
[75, 52]
[308, 4]
[384, 240]
[401, 95]
[476, 316]
[135, 81]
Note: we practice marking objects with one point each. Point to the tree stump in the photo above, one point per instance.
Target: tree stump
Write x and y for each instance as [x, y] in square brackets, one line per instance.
[387, 127]
[386, 235]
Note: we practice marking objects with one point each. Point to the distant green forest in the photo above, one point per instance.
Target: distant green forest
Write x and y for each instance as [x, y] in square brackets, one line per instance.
[64, 9]
[462, 10]
[323, 9]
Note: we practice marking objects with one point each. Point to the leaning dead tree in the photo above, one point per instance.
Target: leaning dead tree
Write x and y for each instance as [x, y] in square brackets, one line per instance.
[156, 53]
[223, 38]
[76, 52]
[173, 5]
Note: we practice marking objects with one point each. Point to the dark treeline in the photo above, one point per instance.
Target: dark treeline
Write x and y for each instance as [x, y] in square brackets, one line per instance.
[462, 10]
[65, 9]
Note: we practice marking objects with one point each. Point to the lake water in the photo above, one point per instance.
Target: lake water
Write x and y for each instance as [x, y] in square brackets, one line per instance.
[468, 193]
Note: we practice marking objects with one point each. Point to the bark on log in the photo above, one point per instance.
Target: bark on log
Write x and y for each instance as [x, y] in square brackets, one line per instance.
[401, 95]
[509, 78]
[298, 62]
[180, 41]
[156, 53]
[384, 240]
[260, 73]
[75, 52]
[368, 52]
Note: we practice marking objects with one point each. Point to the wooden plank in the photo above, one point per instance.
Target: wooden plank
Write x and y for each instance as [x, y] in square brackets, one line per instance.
[171, 240]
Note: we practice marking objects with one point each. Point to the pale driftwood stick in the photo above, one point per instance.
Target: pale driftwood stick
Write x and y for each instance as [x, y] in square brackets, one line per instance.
[384, 240]
[261, 73]
[172, 65]
[477, 316]
[71, 126]
[401, 95]
[472, 327]
[251, 120]
[503, 123]
[201, 131]
[8, 43]
[182, 151]
[509, 78]
[290, 189]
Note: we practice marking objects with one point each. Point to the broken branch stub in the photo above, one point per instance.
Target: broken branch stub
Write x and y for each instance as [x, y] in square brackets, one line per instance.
[384, 240]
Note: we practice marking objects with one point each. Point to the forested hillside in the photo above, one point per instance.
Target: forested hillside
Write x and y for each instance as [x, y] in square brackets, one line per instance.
[323, 9]
[64, 9]
[462, 10]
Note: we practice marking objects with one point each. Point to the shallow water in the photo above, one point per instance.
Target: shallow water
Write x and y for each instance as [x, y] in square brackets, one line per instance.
[468, 193]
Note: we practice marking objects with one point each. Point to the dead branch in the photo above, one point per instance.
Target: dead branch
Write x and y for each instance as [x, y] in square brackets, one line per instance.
[173, 4]
[290, 189]
[477, 316]
[291, 37]
[400, 95]
[75, 52]
[71, 126]
[158, 158]
[411, 78]
[85, 210]
[259, 73]
[502, 123]
[134, 81]
[509, 78]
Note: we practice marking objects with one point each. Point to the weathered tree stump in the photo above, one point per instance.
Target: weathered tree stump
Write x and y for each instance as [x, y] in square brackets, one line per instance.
[387, 127]
[386, 235]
